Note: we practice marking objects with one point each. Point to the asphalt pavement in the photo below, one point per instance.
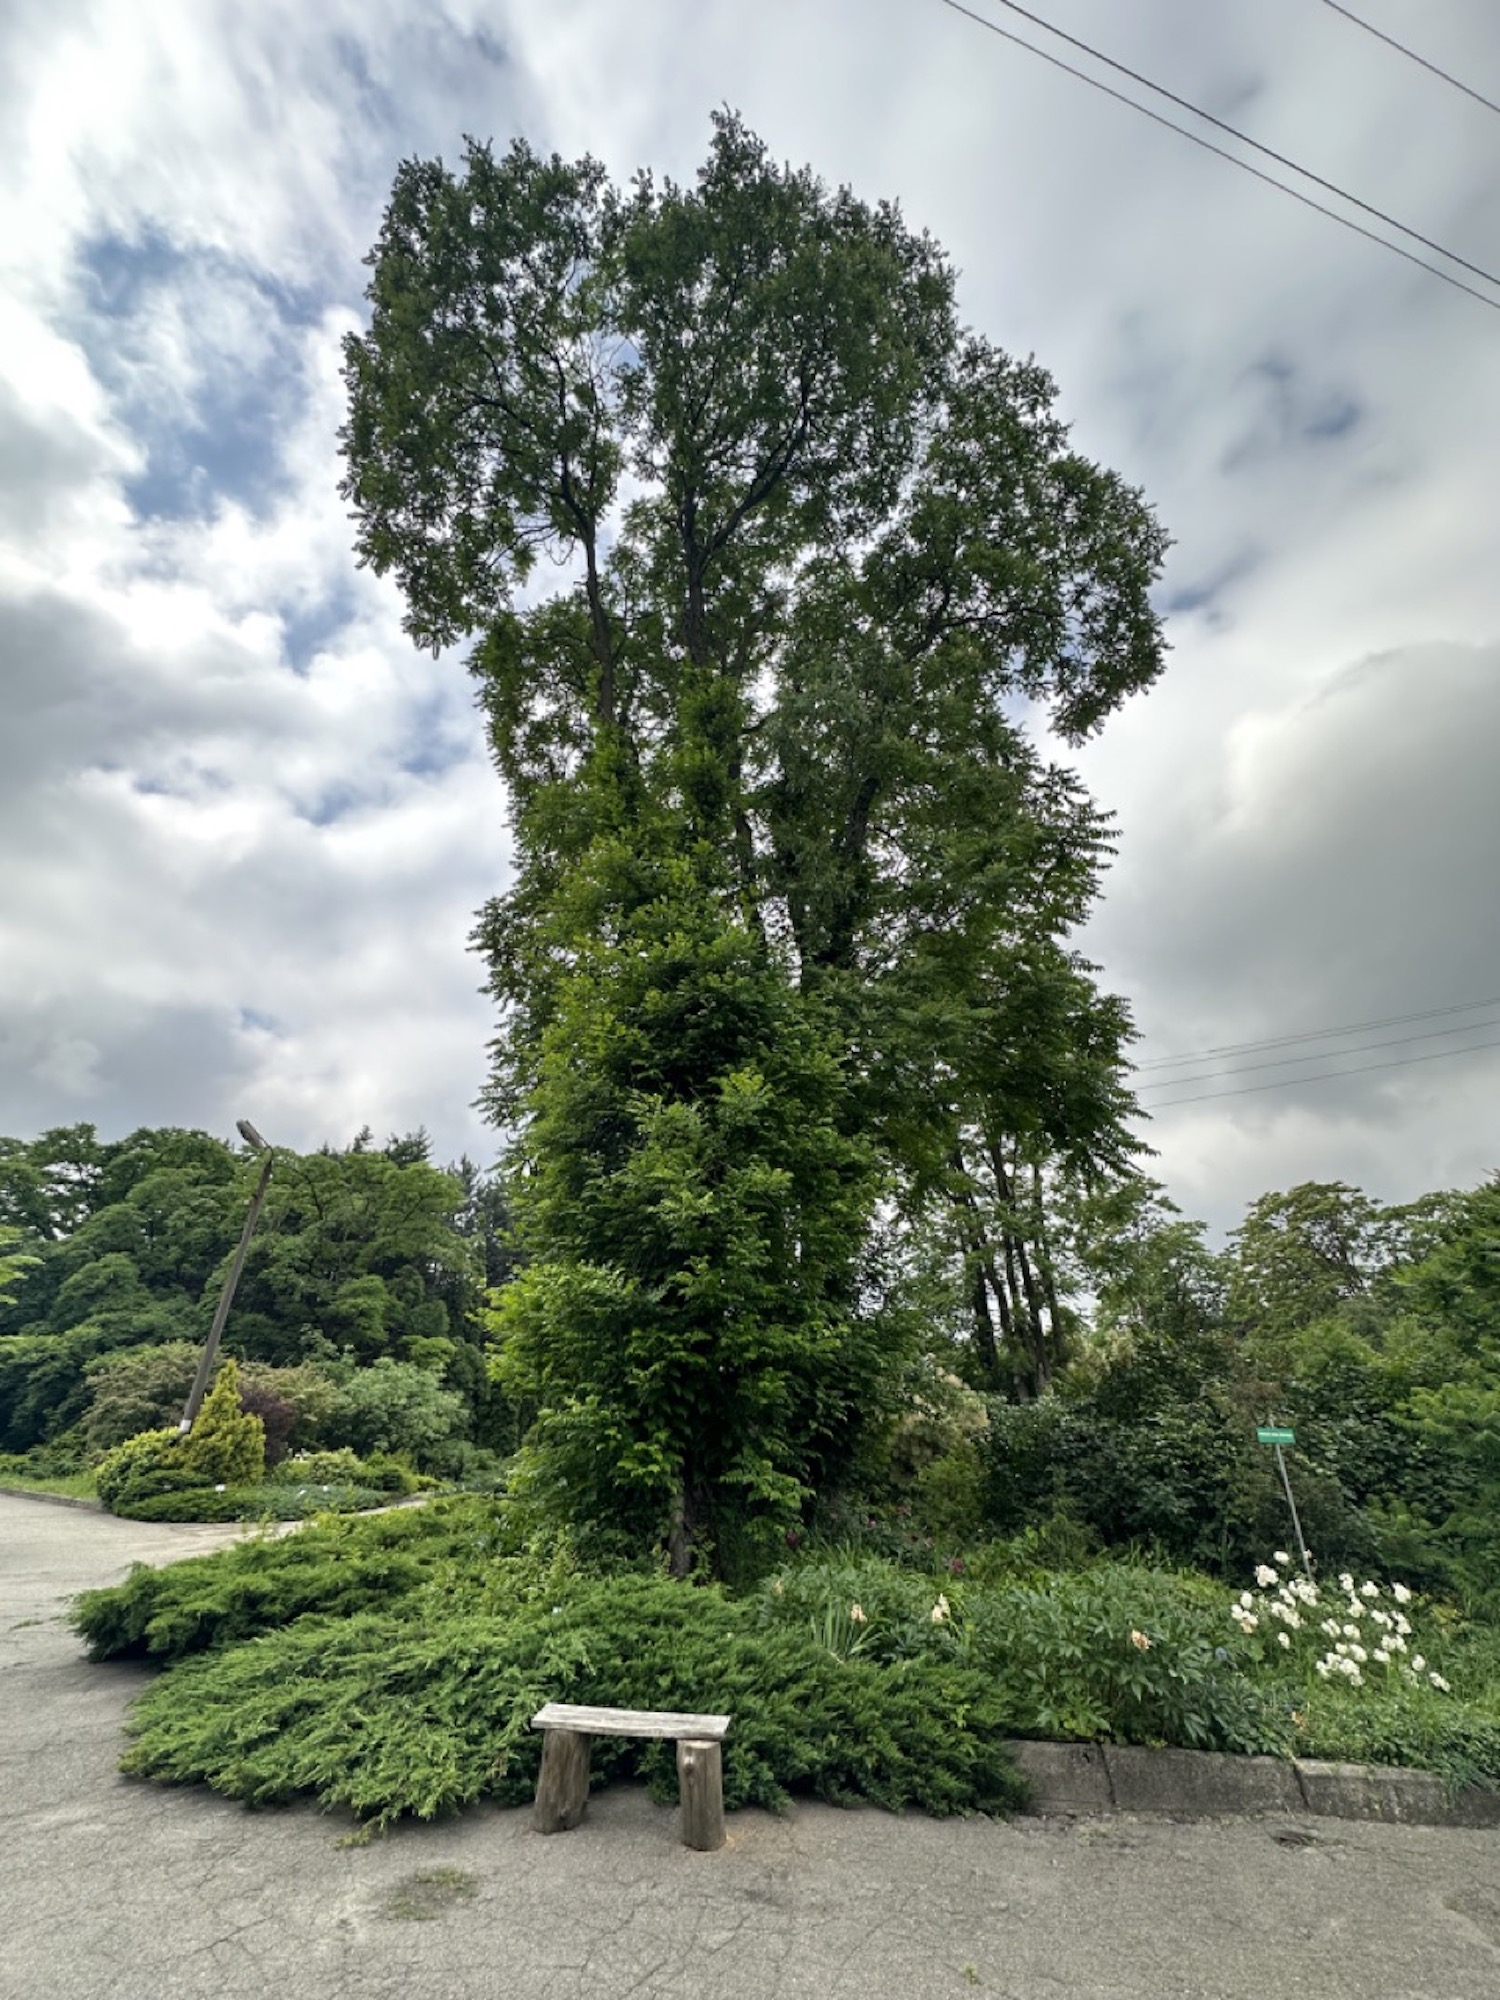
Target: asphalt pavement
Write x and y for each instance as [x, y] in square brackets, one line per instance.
[116, 1890]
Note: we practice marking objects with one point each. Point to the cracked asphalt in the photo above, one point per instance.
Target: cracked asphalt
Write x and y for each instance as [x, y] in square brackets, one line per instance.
[113, 1890]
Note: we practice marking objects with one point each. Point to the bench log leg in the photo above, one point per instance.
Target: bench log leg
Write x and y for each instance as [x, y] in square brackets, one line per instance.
[562, 1789]
[700, 1780]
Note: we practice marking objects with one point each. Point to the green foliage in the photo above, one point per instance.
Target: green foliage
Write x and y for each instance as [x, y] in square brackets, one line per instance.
[141, 1467]
[361, 1254]
[308, 1468]
[250, 1503]
[395, 1406]
[793, 888]
[225, 1446]
[136, 1389]
[692, 1204]
[1063, 1652]
[388, 1715]
[333, 1568]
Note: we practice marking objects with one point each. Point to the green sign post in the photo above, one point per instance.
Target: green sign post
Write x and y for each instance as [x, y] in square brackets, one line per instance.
[1276, 1436]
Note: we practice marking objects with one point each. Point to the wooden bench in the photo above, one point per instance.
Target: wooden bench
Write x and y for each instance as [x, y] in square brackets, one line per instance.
[562, 1789]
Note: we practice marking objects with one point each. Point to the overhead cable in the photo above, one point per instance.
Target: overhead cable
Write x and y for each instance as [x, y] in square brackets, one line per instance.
[1329, 1076]
[1324, 1055]
[1317, 1034]
[1208, 146]
[1411, 54]
[1234, 132]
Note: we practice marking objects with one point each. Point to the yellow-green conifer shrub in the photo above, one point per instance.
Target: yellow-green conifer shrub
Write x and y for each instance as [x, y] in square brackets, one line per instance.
[226, 1447]
[146, 1457]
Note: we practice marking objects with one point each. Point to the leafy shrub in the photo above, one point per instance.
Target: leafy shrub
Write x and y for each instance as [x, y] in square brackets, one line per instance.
[388, 1715]
[1118, 1651]
[395, 1406]
[277, 1418]
[226, 1447]
[1184, 1478]
[313, 1468]
[140, 1389]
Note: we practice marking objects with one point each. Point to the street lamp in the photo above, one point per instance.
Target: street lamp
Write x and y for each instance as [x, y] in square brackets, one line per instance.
[206, 1360]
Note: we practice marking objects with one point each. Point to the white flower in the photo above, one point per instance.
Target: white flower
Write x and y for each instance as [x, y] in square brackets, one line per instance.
[1346, 1582]
[1401, 1594]
[1305, 1592]
[1324, 1669]
[1438, 1682]
[1247, 1600]
[1141, 1642]
[1265, 1576]
[939, 1612]
[1369, 1590]
[1283, 1639]
[1403, 1625]
[1342, 1650]
[1380, 1618]
[1351, 1631]
[221, 1489]
[1382, 1656]
[1417, 1663]
[1331, 1627]
[1281, 1556]
[856, 1613]
[1395, 1643]
[1249, 1622]
[1358, 1653]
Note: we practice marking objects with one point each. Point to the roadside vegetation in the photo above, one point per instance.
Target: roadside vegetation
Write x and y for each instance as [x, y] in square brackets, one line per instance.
[822, 1351]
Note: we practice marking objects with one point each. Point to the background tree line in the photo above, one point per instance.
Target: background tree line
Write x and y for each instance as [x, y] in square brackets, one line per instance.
[358, 1314]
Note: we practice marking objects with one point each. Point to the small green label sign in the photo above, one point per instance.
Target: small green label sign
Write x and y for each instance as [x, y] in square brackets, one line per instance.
[1272, 1436]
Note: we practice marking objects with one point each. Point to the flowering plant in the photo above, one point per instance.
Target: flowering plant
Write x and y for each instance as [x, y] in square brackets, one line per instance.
[1358, 1633]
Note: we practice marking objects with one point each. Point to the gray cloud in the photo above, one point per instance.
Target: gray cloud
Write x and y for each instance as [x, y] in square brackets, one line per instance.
[245, 827]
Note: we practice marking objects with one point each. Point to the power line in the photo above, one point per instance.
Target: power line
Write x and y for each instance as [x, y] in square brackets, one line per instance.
[1287, 1083]
[1391, 42]
[1324, 1055]
[1208, 146]
[1221, 125]
[1318, 1035]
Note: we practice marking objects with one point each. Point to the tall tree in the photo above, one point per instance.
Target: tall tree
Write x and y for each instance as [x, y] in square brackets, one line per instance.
[823, 550]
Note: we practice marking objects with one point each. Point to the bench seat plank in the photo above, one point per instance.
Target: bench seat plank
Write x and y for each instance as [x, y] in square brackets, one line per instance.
[630, 1722]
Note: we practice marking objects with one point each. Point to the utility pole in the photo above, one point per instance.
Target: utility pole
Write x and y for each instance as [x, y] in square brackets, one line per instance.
[226, 1298]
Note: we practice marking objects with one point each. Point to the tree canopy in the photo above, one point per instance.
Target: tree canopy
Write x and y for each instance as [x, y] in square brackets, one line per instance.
[822, 555]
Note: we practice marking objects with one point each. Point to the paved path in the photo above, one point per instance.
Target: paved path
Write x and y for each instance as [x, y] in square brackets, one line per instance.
[111, 1890]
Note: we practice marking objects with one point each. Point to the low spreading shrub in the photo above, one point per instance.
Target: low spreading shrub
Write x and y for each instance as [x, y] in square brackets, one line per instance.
[387, 1715]
[334, 1568]
[250, 1503]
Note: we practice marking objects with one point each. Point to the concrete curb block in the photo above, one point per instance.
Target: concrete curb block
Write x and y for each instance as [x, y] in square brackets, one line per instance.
[1202, 1784]
[52, 1499]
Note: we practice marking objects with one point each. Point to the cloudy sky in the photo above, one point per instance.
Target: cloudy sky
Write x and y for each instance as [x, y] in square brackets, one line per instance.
[245, 827]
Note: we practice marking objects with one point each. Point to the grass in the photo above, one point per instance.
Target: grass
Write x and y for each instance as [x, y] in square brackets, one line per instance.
[75, 1485]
